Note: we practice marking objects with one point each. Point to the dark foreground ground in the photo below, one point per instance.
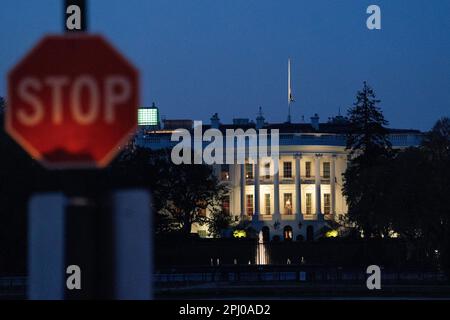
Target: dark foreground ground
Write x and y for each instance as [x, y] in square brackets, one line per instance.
[296, 282]
[278, 282]
[284, 291]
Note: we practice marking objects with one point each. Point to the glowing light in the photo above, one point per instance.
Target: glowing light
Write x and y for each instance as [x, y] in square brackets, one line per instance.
[331, 234]
[261, 252]
[393, 234]
[148, 116]
[239, 234]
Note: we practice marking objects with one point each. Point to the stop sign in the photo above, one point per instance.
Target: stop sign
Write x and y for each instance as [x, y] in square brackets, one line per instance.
[72, 101]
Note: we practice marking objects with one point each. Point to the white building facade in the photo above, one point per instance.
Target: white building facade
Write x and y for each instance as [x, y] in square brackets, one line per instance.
[305, 193]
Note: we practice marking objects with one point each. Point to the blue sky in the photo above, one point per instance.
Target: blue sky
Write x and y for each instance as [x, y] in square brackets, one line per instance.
[197, 57]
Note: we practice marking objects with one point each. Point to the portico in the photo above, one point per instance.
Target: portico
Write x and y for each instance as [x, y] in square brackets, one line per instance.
[286, 194]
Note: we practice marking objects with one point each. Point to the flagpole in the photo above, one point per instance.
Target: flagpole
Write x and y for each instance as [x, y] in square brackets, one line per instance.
[289, 91]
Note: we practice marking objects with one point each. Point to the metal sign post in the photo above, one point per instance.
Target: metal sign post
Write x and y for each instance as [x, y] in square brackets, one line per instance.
[87, 230]
[109, 240]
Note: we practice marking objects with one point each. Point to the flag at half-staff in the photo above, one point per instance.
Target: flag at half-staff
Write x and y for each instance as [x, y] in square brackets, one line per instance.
[290, 96]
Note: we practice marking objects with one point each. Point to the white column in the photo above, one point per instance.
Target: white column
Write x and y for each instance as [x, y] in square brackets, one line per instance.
[298, 187]
[333, 184]
[276, 188]
[318, 192]
[256, 193]
[242, 182]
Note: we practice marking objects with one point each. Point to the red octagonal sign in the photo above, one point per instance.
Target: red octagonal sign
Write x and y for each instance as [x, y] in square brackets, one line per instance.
[72, 101]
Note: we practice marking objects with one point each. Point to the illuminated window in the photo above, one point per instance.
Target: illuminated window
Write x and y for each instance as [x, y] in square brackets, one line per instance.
[326, 170]
[308, 203]
[225, 172]
[250, 204]
[287, 232]
[287, 169]
[308, 169]
[326, 203]
[267, 203]
[248, 171]
[288, 203]
[226, 205]
[267, 170]
[148, 116]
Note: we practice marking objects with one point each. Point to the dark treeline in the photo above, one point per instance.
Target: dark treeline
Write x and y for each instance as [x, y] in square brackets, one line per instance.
[398, 193]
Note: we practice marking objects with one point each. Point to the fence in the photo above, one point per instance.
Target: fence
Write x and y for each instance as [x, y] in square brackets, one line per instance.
[293, 274]
[13, 287]
[334, 252]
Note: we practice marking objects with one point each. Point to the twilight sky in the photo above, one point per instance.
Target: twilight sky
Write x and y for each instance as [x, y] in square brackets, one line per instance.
[197, 57]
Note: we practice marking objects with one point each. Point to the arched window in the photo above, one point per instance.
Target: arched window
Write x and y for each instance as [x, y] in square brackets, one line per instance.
[287, 232]
[310, 233]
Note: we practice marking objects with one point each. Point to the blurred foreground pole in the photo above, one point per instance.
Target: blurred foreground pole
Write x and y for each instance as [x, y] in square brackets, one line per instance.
[88, 232]
[108, 238]
[46, 271]
[133, 254]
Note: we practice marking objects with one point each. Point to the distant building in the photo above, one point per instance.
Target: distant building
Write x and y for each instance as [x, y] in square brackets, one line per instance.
[305, 195]
[178, 124]
[148, 117]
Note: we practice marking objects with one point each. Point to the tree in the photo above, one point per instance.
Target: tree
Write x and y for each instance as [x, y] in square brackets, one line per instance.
[436, 146]
[189, 191]
[181, 193]
[416, 202]
[437, 141]
[218, 222]
[368, 137]
[370, 152]
[406, 203]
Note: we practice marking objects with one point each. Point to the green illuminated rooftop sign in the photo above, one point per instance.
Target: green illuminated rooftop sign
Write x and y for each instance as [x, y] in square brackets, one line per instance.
[148, 116]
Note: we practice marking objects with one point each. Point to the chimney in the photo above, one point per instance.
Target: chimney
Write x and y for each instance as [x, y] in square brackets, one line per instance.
[315, 122]
[215, 121]
[260, 120]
